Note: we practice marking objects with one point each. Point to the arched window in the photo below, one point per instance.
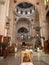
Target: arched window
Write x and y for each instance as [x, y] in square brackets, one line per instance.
[22, 30]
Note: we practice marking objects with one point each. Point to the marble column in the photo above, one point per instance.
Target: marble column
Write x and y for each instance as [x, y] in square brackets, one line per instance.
[4, 9]
[44, 26]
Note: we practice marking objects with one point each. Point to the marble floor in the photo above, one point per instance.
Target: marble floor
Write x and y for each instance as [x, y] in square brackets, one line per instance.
[39, 58]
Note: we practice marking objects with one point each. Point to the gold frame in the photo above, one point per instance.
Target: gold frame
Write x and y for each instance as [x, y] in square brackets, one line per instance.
[28, 54]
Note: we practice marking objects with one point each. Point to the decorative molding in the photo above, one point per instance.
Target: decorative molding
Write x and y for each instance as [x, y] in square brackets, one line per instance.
[26, 12]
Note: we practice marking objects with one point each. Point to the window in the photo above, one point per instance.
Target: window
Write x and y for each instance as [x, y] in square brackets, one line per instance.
[25, 5]
[22, 30]
[45, 2]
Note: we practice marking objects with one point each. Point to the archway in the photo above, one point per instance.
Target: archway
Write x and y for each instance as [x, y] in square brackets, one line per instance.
[28, 18]
[23, 23]
[22, 30]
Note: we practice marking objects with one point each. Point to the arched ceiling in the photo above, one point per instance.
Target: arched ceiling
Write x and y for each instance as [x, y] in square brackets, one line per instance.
[24, 5]
[25, 8]
[22, 30]
[23, 20]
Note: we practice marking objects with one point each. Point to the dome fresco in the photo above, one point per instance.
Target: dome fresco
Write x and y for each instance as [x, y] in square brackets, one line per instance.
[25, 5]
[24, 8]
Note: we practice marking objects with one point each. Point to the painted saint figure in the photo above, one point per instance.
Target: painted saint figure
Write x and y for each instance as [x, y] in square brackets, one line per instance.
[26, 58]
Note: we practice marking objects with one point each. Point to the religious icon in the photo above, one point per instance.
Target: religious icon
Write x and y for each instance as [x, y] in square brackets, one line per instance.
[26, 58]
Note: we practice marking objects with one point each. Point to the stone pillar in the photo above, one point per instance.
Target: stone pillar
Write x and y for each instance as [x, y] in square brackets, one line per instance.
[7, 7]
[4, 7]
[2, 18]
[44, 26]
[42, 41]
[14, 32]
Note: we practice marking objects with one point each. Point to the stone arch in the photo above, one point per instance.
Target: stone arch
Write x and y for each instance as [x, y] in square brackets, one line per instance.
[37, 11]
[23, 22]
[34, 4]
[28, 18]
[25, 17]
[22, 30]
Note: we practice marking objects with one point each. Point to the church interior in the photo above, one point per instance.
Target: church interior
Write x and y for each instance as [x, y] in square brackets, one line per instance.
[25, 26]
